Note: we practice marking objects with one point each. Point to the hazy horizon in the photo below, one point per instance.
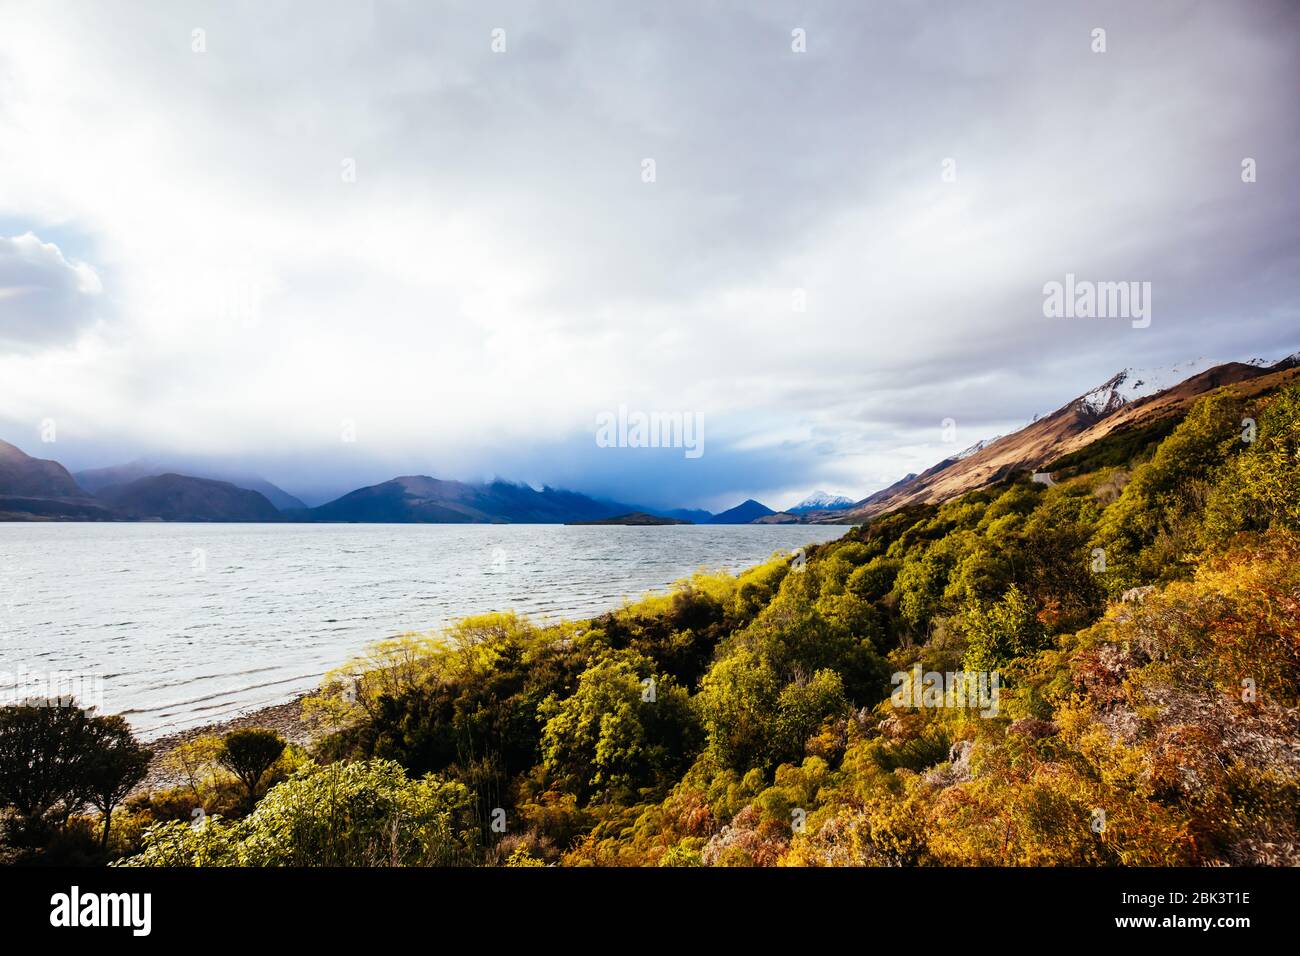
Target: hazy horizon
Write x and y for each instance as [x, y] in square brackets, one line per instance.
[336, 249]
[312, 496]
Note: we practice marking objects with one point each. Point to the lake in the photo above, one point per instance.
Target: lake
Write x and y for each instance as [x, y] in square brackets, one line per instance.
[178, 625]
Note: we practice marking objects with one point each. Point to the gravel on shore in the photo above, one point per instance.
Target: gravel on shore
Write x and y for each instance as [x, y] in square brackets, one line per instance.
[285, 719]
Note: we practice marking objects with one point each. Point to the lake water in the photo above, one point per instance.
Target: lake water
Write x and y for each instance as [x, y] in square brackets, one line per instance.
[177, 625]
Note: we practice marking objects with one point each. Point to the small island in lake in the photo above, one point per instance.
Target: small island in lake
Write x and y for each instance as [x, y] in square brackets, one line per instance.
[634, 518]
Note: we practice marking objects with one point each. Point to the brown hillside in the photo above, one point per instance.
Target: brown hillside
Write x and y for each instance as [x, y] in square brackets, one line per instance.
[25, 476]
[1068, 429]
[1181, 397]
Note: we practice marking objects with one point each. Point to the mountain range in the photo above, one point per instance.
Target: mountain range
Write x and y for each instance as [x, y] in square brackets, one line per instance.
[1130, 408]
[421, 499]
[97, 481]
[185, 498]
[39, 489]
[747, 512]
[1127, 405]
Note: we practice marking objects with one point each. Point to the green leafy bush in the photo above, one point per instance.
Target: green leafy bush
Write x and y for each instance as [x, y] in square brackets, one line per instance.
[367, 813]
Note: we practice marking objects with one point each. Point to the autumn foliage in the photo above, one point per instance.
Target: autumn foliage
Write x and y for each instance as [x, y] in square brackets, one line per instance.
[1142, 617]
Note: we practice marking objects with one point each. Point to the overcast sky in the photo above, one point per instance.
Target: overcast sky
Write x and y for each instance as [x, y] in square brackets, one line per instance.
[186, 267]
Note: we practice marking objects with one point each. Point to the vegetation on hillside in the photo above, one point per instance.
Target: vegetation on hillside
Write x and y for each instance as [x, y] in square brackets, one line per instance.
[1121, 447]
[1139, 622]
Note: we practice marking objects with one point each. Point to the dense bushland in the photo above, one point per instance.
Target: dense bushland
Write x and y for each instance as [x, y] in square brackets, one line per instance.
[1142, 618]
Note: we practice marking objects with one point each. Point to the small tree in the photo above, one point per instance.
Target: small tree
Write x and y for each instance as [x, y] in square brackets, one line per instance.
[196, 760]
[249, 754]
[45, 747]
[115, 766]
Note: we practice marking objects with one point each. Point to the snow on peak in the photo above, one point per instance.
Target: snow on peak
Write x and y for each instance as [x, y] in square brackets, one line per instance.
[1147, 381]
[822, 501]
[1291, 361]
[1131, 384]
[978, 446]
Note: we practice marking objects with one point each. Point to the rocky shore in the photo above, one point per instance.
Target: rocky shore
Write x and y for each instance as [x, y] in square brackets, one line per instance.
[285, 719]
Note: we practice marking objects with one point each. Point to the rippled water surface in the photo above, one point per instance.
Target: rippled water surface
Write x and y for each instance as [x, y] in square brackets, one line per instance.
[176, 625]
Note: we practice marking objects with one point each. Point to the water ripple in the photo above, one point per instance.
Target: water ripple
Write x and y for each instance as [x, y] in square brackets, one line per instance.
[278, 605]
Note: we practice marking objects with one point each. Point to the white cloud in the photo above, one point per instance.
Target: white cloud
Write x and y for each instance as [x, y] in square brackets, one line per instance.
[498, 273]
[45, 299]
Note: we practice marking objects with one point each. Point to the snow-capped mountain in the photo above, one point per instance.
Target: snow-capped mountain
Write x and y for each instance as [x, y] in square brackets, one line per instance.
[1291, 361]
[1130, 384]
[978, 446]
[1132, 398]
[822, 501]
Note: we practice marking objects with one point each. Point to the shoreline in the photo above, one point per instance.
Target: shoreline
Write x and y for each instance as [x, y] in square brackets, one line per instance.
[286, 719]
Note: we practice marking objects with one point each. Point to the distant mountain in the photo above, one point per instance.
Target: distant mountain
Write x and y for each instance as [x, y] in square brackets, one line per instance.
[32, 489]
[1125, 400]
[183, 498]
[96, 480]
[690, 515]
[421, 499]
[15, 508]
[272, 493]
[24, 476]
[36, 489]
[636, 518]
[821, 501]
[785, 517]
[746, 512]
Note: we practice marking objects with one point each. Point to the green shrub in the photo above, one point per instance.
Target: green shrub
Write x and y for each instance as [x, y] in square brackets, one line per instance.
[344, 814]
[1001, 632]
[250, 754]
